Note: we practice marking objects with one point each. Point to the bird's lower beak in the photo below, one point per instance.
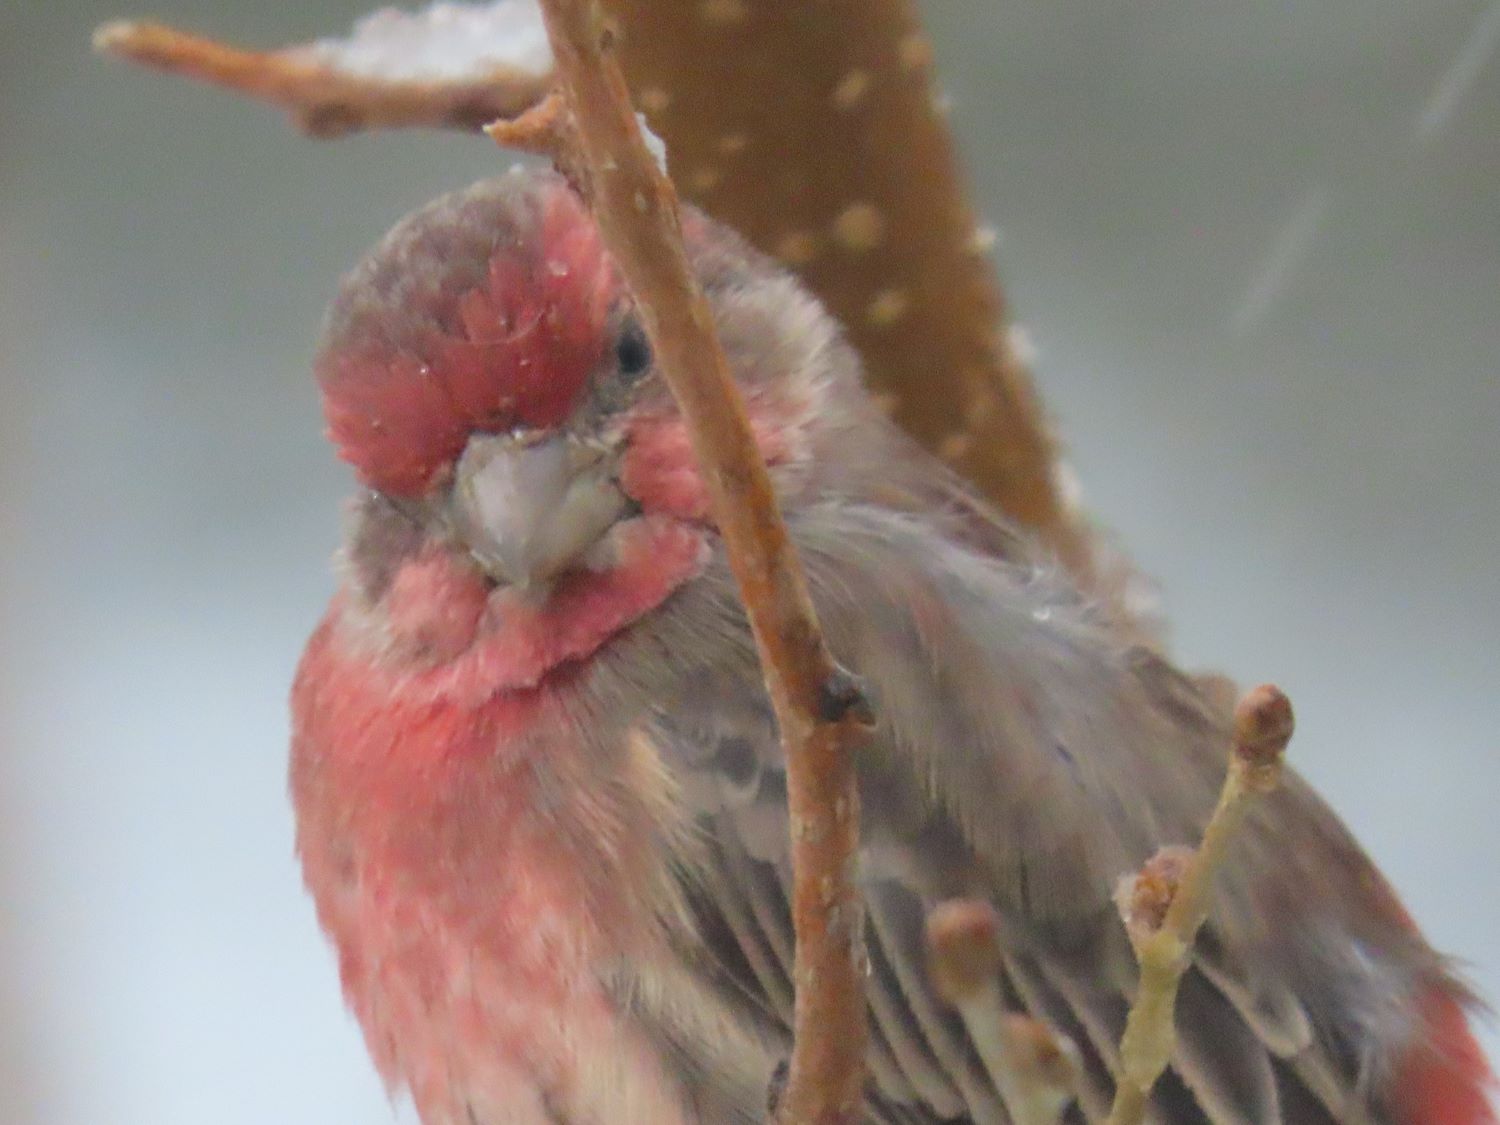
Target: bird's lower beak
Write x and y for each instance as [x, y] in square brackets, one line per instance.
[529, 509]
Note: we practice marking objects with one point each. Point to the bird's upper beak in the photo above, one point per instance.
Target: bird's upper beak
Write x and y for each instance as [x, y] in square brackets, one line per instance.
[529, 507]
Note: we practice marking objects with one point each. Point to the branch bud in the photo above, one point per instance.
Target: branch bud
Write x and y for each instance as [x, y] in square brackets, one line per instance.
[1263, 726]
[1145, 897]
[963, 948]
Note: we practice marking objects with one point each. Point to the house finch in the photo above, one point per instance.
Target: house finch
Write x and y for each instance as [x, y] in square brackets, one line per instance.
[540, 795]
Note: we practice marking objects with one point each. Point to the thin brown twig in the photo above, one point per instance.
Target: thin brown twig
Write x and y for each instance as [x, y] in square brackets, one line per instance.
[322, 99]
[1165, 905]
[1034, 1068]
[819, 709]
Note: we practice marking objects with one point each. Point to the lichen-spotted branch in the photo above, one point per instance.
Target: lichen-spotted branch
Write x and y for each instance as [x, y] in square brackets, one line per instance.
[816, 131]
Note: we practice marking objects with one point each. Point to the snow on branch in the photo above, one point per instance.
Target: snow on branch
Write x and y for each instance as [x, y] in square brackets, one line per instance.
[442, 43]
[456, 66]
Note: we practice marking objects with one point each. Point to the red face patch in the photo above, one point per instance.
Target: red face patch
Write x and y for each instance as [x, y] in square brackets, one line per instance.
[513, 350]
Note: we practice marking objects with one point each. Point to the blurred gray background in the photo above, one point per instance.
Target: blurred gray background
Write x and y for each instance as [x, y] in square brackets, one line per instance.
[1256, 245]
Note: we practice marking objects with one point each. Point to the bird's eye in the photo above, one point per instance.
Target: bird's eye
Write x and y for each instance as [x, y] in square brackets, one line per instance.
[633, 352]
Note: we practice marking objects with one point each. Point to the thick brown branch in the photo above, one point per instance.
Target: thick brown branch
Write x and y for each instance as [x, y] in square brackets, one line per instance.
[813, 130]
[322, 99]
[636, 208]
[1166, 904]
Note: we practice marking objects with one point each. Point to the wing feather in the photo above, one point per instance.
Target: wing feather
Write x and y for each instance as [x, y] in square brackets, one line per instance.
[1026, 755]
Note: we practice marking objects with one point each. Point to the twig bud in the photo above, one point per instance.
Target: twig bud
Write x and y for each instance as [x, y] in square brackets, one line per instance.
[963, 948]
[1263, 726]
[1043, 1056]
[1145, 897]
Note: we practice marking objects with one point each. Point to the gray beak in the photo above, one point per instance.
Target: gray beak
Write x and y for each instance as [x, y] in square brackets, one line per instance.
[529, 509]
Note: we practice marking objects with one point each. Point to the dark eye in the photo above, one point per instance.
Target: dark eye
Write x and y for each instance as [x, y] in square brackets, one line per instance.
[633, 352]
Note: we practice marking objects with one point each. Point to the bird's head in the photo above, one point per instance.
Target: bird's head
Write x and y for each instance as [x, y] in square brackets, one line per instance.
[486, 374]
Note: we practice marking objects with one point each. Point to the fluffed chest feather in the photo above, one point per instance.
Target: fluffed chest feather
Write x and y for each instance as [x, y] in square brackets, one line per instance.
[479, 890]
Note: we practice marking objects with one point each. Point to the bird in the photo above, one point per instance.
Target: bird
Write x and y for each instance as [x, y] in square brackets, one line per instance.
[539, 791]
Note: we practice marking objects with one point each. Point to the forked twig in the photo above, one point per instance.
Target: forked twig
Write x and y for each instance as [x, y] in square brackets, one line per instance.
[1167, 902]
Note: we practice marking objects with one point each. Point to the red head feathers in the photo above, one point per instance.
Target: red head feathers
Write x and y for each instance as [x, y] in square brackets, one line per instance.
[484, 311]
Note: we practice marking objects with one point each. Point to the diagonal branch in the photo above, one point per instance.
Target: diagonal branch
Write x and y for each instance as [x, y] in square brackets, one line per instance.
[819, 709]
